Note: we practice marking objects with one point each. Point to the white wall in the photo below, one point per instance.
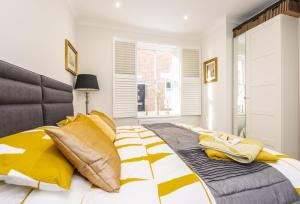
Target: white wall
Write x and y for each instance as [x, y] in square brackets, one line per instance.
[217, 97]
[32, 35]
[299, 82]
[96, 57]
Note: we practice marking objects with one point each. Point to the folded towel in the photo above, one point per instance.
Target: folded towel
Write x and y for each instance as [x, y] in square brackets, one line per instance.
[239, 149]
[263, 156]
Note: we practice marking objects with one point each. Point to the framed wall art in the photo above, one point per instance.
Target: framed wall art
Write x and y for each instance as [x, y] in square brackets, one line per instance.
[71, 58]
[210, 68]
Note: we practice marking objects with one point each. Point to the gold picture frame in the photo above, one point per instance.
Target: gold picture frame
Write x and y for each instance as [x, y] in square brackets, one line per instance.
[71, 58]
[210, 69]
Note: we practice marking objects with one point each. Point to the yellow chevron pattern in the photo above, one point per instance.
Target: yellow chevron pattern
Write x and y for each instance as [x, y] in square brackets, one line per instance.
[167, 187]
[151, 173]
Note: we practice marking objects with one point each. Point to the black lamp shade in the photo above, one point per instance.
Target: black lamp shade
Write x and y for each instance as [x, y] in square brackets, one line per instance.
[86, 82]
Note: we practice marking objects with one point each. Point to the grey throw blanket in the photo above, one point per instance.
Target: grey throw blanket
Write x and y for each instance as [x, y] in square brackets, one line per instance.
[230, 182]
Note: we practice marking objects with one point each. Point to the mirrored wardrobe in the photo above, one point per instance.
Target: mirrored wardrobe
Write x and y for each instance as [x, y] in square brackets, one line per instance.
[265, 83]
[239, 86]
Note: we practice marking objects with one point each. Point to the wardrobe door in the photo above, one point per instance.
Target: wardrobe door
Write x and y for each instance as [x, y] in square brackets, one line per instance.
[263, 83]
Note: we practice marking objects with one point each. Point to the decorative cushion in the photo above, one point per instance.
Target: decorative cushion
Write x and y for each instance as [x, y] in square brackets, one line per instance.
[104, 127]
[31, 159]
[97, 120]
[106, 118]
[90, 151]
[65, 121]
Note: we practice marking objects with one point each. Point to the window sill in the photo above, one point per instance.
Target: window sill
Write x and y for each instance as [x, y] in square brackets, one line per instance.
[159, 116]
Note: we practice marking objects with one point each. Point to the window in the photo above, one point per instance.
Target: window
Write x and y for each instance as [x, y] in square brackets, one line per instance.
[158, 80]
[149, 81]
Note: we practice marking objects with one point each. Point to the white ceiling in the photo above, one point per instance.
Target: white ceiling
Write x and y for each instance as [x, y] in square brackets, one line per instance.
[164, 15]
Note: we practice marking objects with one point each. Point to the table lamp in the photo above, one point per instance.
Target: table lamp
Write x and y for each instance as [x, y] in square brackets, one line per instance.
[86, 83]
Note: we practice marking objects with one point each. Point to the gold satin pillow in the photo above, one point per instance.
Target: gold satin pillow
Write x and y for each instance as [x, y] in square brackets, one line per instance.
[104, 127]
[90, 151]
[105, 118]
[65, 121]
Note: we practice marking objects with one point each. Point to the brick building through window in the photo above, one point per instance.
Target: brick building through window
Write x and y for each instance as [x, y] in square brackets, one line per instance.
[158, 73]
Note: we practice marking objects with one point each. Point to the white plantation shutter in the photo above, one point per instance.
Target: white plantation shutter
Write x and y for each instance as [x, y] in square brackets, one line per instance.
[125, 57]
[190, 63]
[191, 82]
[124, 80]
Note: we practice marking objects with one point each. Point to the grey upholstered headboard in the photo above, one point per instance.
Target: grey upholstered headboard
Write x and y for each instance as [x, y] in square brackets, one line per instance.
[29, 100]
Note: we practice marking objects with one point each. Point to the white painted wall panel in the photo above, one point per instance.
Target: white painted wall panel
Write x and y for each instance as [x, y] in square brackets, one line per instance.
[33, 36]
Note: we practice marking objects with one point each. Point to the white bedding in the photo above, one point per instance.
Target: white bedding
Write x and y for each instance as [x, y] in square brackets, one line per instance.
[151, 173]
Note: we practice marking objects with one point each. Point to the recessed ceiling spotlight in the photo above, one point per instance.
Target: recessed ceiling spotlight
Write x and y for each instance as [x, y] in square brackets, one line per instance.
[118, 4]
[185, 17]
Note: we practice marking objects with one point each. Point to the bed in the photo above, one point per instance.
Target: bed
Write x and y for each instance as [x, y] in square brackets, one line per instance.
[160, 163]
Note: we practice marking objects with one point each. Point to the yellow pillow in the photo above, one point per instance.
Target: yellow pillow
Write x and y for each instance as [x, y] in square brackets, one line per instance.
[97, 120]
[106, 119]
[103, 126]
[31, 159]
[90, 151]
[66, 121]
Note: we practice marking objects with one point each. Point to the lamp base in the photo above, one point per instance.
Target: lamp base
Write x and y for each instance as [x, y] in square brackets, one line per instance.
[86, 102]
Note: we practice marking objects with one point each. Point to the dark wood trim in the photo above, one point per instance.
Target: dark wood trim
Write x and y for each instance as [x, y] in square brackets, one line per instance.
[288, 7]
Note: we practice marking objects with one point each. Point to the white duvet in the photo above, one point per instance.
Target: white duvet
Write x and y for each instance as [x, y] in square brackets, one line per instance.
[151, 174]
